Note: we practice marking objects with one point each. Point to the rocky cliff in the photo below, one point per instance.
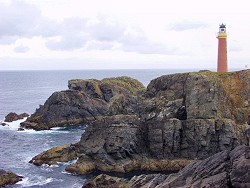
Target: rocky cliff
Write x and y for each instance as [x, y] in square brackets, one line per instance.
[178, 119]
[195, 115]
[224, 169]
[84, 101]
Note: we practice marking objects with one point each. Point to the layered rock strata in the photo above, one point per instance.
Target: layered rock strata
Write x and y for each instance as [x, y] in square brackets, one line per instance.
[178, 119]
[224, 169]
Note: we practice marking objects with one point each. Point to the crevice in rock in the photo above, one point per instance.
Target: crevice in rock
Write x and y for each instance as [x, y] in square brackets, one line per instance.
[163, 143]
[181, 113]
[90, 113]
[229, 170]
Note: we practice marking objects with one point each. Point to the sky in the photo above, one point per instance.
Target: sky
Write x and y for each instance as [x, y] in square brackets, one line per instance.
[121, 34]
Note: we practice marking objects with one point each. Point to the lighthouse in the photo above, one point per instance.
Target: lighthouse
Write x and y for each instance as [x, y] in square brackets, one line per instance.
[222, 49]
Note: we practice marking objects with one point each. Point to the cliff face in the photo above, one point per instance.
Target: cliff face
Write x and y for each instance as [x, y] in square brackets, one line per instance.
[195, 115]
[85, 101]
[179, 118]
[224, 169]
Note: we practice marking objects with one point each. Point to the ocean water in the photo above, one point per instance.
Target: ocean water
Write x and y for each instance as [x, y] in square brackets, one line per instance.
[24, 91]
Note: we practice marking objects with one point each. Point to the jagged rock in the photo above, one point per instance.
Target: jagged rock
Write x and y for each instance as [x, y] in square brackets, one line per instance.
[20, 129]
[85, 101]
[178, 119]
[8, 178]
[12, 116]
[63, 153]
[105, 181]
[195, 115]
[224, 169]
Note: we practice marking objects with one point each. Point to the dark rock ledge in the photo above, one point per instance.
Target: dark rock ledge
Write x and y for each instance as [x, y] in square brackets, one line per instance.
[8, 178]
[224, 169]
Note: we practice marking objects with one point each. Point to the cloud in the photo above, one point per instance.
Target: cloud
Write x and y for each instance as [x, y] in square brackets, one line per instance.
[67, 42]
[22, 20]
[103, 33]
[18, 19]
[136, 41]
[21, 49]
[106, 29]
[6, 40]
[186, 25]
[71, 33]
[100, 45]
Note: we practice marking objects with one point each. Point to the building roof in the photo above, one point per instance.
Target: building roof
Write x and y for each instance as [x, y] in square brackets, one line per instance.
[223, 25]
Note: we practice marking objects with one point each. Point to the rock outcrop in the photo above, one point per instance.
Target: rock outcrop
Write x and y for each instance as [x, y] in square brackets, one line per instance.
[224, 169]
[63, 153]
[85, 101]
[178, 119]
[12, 116]
[195, 115]
[8, 178]
[106, 181]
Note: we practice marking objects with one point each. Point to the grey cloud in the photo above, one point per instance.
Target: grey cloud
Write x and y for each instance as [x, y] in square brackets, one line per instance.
[72, 33]
[186, 25]
[106, 30]
[78, 33]
[21, 49]
[22, 20]
[6, 40]
[141, 44]
[67, 42]
[18, 19]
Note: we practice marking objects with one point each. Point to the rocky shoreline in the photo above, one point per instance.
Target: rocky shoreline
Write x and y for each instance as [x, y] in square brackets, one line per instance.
[176, 120]
[224, 169]
[8, 178]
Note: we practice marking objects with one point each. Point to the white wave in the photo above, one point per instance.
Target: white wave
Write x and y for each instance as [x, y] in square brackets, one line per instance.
[76, 185]
[28, 182]
[14, 125]
[31, 131]
[50, 166]
[68, 163]
[65, 172]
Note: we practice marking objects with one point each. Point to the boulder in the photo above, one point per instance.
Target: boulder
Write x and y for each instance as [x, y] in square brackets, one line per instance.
[4, 124]
[8, 178]
[12, 116]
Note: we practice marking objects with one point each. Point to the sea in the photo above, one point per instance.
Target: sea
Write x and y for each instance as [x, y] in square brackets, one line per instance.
[24, 91]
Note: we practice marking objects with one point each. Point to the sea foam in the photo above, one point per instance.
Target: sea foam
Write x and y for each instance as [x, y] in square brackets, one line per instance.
[14, 125]
[36, 180]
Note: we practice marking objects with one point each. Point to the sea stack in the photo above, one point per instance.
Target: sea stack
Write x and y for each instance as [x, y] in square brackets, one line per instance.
[222, 49]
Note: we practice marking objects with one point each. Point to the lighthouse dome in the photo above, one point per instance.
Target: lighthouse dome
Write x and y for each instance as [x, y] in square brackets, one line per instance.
[222, 26]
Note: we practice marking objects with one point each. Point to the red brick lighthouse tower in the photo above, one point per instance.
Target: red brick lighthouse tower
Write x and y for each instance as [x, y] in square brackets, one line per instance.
[222, 49]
